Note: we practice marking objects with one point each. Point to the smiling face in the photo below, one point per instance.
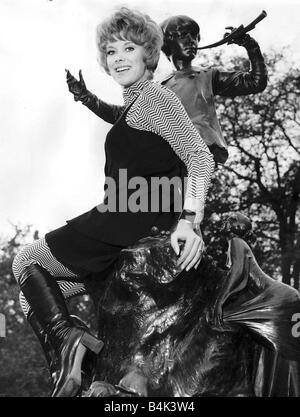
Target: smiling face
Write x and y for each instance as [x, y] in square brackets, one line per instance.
[126, 62]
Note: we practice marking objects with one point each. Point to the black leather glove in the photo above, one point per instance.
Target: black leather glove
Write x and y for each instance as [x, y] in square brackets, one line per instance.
[239, 83]
[77, 87]
[243, 40]
[107, 112]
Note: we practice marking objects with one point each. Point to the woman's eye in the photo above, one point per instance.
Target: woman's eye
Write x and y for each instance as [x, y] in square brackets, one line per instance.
[109, 52]
[130, 48]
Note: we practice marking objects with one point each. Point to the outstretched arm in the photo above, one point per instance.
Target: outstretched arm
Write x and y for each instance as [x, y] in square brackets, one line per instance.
[238, 83]
[108, 112]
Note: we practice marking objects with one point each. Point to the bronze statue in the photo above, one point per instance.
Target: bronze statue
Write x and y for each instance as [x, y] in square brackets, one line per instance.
[197, 87]
[194, 86]
[209, 332]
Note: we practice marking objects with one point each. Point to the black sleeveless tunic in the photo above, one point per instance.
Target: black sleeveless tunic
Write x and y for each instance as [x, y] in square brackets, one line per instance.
[92, 241]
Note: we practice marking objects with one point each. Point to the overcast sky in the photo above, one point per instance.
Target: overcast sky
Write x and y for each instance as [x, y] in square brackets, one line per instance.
[51, 148]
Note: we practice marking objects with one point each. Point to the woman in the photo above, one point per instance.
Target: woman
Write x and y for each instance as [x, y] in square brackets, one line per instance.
[152, 138]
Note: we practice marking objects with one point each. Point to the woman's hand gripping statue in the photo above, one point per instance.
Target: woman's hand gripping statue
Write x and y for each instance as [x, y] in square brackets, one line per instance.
[191, 253]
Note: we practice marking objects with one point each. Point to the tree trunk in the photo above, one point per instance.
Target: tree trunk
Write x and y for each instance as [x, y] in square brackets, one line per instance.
[296, 273]
[286, 240]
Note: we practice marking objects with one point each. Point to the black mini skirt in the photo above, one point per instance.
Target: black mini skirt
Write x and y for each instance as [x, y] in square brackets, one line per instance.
[79, 253]
[87, 244]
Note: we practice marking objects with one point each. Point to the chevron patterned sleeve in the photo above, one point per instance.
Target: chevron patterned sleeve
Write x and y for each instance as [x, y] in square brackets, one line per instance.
[159, 110]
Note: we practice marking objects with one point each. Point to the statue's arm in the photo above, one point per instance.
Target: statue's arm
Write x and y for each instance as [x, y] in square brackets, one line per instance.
[238, 274]
[237, 277]
[238, 83]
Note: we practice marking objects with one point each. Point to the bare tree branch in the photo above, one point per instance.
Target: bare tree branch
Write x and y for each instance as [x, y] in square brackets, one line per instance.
[240, 176]
[272, 238]
[277, 171]
[282, 128]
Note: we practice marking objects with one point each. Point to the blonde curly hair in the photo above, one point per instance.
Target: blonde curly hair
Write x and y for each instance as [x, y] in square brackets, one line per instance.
[133, 26]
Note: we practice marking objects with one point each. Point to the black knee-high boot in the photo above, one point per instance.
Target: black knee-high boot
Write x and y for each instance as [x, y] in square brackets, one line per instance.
[69, 342]
[89, 362]
[45, 344]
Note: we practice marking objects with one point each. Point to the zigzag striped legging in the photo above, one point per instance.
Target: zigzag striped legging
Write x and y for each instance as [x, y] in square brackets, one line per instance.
[39, 253]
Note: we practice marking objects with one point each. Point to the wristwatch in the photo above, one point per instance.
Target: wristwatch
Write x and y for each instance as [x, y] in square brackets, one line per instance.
[187, 215]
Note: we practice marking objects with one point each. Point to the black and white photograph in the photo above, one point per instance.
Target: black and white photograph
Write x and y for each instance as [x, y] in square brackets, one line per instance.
[150, 201]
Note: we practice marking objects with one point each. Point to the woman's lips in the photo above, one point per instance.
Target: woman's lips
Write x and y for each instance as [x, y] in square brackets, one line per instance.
[122, 69]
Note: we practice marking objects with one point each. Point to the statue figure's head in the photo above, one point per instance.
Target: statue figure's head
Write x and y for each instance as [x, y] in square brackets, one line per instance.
[181, 38]
[237, 224]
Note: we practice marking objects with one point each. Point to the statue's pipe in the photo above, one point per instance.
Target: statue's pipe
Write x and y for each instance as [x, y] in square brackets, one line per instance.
[238, 32]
